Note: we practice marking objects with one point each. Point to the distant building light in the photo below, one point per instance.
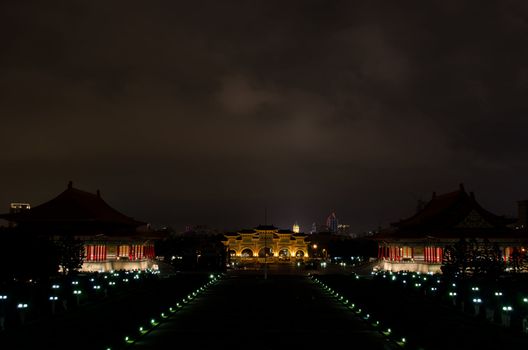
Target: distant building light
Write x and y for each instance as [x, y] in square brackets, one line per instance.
[18, 207]
[296, 228]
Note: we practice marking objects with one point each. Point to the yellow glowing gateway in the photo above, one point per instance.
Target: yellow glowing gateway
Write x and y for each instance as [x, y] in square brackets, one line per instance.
[266, 244]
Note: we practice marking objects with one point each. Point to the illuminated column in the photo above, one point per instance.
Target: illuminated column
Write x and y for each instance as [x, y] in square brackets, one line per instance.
[87, 253]
[429, 254]
[104, 252]
[412, 253]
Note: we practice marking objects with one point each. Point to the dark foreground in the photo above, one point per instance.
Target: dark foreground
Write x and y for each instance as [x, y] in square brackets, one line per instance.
[246, 311]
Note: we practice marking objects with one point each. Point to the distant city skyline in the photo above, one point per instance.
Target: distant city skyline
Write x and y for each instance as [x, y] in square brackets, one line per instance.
[279, 220]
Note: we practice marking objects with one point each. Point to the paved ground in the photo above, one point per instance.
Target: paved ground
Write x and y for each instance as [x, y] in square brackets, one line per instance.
[246, 311]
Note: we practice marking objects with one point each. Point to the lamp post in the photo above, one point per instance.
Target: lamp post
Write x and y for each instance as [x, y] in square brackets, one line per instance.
[265, 254]
[22, 309]
[3, 310]
[53, 299]
[77, 294]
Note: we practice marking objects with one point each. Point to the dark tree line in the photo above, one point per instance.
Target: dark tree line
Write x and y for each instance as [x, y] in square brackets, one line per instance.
[481, 258]
[25, 255]
[193, 251]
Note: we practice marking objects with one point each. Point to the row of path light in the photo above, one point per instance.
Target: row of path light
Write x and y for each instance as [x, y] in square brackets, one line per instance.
[362, 313]
[155, 321]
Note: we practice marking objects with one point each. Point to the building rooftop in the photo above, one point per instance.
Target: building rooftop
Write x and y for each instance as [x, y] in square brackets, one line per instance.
[266, 228]
[74, 207]
[453, 214]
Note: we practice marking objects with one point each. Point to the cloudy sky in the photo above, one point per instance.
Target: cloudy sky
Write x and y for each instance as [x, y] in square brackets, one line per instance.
[207, 112]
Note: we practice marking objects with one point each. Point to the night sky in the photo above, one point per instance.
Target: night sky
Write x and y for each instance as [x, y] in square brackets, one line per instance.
[207, 112]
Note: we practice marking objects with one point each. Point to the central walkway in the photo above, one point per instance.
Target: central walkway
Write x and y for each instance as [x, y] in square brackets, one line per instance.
[246, 311]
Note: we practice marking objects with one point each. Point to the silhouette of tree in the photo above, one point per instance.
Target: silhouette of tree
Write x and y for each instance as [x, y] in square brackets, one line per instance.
[70, 252]
[477, 258]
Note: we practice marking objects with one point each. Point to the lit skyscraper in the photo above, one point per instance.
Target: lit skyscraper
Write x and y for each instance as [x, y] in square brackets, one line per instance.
[331, 222]
[296, 228]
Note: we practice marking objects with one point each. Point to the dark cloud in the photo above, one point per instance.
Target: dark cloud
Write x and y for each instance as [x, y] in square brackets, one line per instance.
[208, 111]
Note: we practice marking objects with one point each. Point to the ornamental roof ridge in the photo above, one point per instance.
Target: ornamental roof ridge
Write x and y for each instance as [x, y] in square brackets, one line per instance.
[74, 205]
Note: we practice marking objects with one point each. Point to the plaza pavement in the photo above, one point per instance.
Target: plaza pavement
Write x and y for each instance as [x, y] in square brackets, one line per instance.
[247, 311]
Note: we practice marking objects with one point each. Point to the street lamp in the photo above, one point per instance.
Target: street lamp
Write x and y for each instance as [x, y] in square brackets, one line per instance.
[53, 299]
[265, 255]
[22, 307]
[3, 310]
[77, 293]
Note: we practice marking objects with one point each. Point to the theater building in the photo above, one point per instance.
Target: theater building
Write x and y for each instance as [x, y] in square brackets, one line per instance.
[266, 244]
[111, 240]
[418, 242]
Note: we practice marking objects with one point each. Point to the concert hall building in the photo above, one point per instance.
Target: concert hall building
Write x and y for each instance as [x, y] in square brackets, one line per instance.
[418, 242]
[112, 240]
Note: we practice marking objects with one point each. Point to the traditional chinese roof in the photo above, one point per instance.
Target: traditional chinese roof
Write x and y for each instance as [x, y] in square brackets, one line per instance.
[452, 215]
[247, 231]
[74, 209]
[266, 228]
[285, 231]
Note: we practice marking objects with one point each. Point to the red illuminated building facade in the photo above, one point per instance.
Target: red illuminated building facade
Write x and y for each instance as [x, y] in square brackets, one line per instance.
[418, 242]
[111, 240]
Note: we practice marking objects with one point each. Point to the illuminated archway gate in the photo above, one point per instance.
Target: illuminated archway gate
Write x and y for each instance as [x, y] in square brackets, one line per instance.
[267, 244]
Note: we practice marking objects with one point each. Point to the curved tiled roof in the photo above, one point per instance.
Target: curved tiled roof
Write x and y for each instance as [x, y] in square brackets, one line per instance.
[448, 210]
[247, 231]
[285, 231]
[452, 215]
[266, 228]
[74, 206]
